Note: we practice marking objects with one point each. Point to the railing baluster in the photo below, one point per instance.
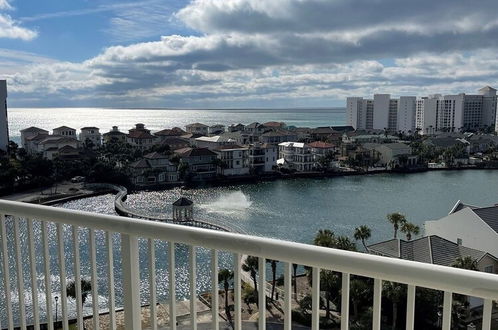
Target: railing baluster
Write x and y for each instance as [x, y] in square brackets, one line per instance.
[486, 314]
[287, 296]
[62, 265]
[448, 302]
[6, 273]
[345, 301]
[262, 292]
[48, 277]
[77, 277]
[214, 290]
[152, 284]
[315, 299]
[193, 287]
[95, 292]
[172, 286]
[34, 282]
[110, 274]
[20, 275]
[377, 304]
[410, 308]
[131, 281]
[237, 296]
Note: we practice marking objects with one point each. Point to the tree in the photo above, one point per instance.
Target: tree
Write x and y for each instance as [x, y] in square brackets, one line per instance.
[273, 264]
[344, 243]
[325, 238]
[362, 233]
[466, 262]
[251, 266]
[409, 228]
[225, 276]
[396, 293]
[86, 288]
[397, 220]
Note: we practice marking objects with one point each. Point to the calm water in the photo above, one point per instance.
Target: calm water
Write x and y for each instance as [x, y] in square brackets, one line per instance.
[291, 210]
[49, 118]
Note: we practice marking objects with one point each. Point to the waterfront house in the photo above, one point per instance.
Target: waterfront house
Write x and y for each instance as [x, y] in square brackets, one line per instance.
[395, 155]
[277, 136]
[49, 147]
[435, 250]
[275, 125]
[140, 137]
[30, 133]
[240, 137]
[200, 163]
[236, 128]
[216, 129]
[321, 150]
[114, 136]
[295, 156]
[234, 160]
[255, 129]
[262, 157]
[469, 225]
[482, 143]
[91, 134]
[167, 133]
[153, 169]
[64, 131]
[213, 142]
[197, 128]
[175, 142]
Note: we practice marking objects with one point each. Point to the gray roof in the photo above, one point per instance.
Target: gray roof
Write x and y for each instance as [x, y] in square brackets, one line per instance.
[489, 215]
[430, 249]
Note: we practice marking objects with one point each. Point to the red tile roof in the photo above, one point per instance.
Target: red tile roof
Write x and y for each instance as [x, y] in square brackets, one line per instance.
[321, 145]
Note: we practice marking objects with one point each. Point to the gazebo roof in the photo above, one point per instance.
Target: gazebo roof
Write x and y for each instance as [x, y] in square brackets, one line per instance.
[182, 201]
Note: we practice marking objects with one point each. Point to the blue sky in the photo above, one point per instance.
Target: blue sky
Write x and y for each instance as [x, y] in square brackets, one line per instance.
[239, 53]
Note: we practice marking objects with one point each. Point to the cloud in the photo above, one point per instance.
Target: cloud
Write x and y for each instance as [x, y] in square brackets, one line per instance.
[10, 28]
[280, 51]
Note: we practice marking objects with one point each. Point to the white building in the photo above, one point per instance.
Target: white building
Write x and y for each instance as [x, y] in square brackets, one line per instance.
[29, 133]
[234, 158]
[472, 226]
[197, 128]
[426, 112]
[296, 156]
[64, 131]
[213, 142]
[4, 127]
[406, 114]
[382, 104]
[262, 157]
[91, 134]
[140, 137]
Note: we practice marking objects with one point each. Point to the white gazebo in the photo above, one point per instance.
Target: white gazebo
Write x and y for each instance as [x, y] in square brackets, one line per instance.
[183, 209]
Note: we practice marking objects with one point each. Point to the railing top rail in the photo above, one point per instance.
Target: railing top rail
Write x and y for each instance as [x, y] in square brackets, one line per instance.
[461, 281]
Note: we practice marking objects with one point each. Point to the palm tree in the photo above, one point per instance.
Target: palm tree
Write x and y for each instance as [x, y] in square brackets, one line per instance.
[274, 275]
[86, 288]
[225, 276]
[466, 262]
[344, 243]
[325, 238]
[251, 266]
[362, 233]
[396, 293]
[409, 228]
[396, 219]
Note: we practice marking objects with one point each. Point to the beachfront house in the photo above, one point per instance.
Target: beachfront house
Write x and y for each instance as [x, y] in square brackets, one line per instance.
[213, 142]
[29, 134]
[175, 142]
[140, 137]
[275, 125]
[216, 129]
[197, 128]
[64, 131]
[91, 136]
[255, 129]
[295, 156]
[168, 133]
[114, 136]
[153, 169]
[199, 163]
[234, 160]
[469, 225]
[50, 147]
[277, 136]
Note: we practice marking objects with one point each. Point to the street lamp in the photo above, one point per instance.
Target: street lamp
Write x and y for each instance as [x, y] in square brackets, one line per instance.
[56, 305]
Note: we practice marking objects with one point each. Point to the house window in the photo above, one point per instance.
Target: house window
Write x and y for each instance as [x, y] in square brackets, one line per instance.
[161, 177]
[459, 241]
[488, 269]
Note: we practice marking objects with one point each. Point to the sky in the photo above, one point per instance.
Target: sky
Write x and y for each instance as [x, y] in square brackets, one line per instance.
[242, 53]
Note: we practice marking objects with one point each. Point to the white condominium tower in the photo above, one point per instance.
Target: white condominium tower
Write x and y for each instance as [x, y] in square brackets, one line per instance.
[382, 112]
[435, 113]
[4, 130]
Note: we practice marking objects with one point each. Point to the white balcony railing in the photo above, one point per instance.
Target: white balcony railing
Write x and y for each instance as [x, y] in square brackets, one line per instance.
[449, 280]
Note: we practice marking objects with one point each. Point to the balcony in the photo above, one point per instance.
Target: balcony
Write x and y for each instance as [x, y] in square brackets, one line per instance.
[27, 225]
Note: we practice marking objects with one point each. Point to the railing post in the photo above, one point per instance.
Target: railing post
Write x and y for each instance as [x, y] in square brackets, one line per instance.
[131, 281]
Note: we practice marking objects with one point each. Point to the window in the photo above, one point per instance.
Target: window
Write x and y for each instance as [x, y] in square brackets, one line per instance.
[459, 241]
[140, 179]
[488, 269]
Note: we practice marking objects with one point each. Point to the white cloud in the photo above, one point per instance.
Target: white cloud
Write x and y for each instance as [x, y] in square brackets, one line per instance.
[284, 50]
[10, 28]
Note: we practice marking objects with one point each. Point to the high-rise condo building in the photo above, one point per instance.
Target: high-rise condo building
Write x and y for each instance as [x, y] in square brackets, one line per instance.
[4, 128]
[428, 115]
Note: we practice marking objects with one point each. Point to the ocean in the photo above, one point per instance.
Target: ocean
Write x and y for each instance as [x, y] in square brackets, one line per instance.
[158, 119]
